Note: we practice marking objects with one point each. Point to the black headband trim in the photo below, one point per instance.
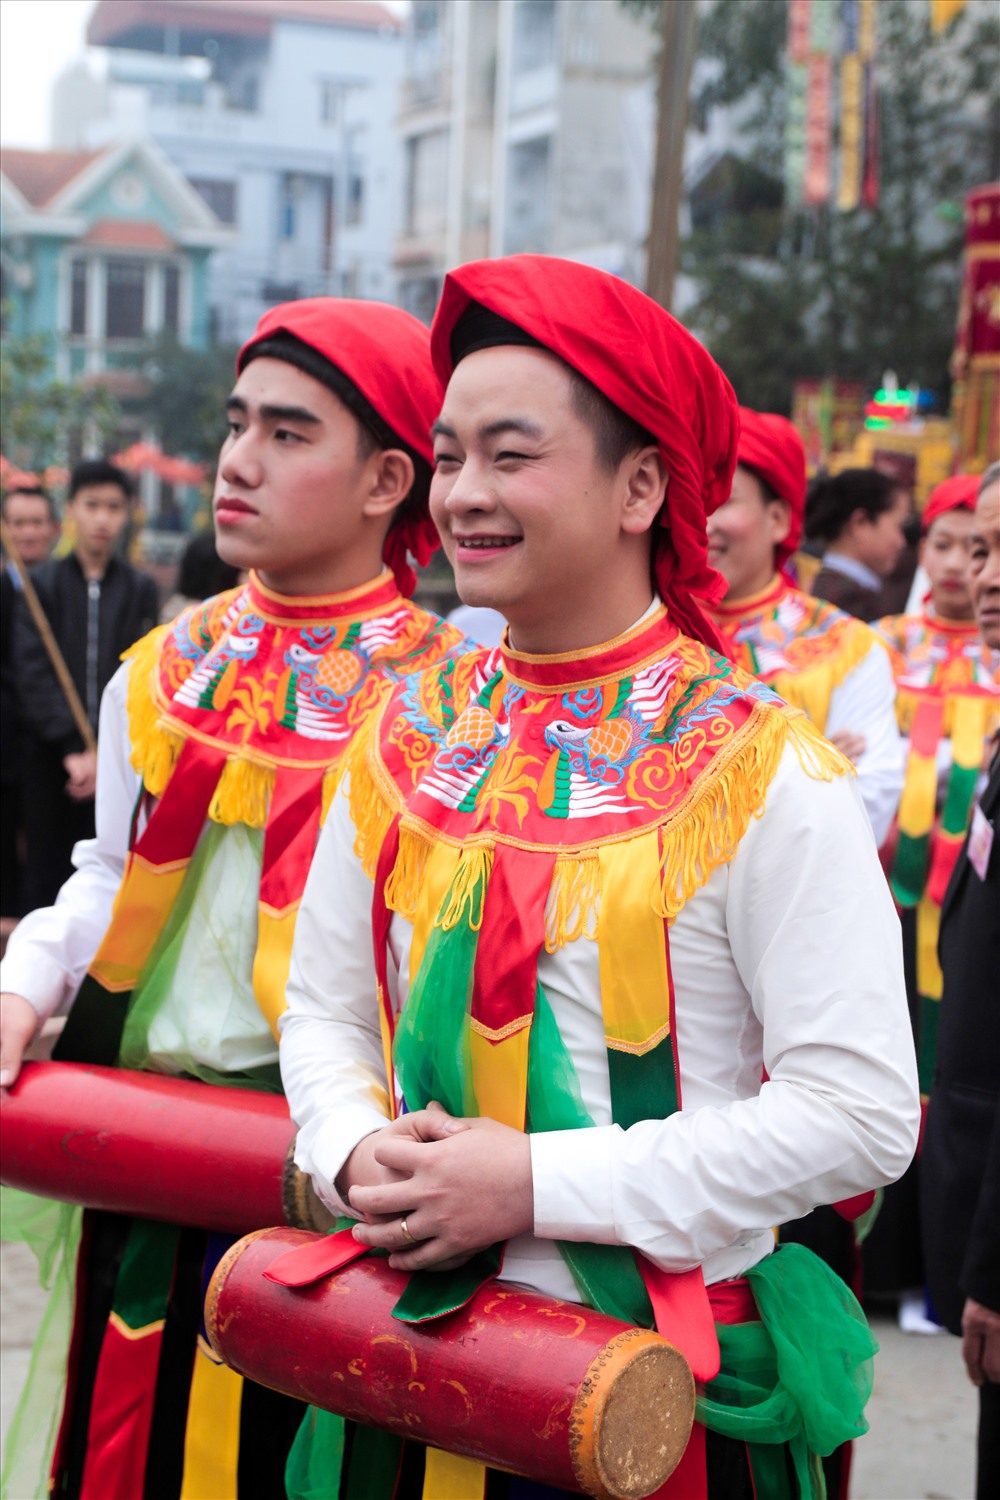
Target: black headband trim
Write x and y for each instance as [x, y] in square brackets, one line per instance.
[479, 328]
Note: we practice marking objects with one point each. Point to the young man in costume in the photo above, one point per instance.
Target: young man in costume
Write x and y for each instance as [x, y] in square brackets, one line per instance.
[814, 655]
[960, 1165]
[947, 678]
[605, 866]
[230, 726]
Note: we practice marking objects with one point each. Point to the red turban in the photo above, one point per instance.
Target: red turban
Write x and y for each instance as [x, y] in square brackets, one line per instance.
[772, 447]
[651, 368]
[958, 493]
[385, 355]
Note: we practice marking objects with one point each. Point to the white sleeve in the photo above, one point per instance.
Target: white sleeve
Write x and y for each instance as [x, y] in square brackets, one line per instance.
[865, 703]
[801, 968]
[332, 1065]
[50, 950]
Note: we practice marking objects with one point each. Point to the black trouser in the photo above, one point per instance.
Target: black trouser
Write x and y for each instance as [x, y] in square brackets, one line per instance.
[53, 823]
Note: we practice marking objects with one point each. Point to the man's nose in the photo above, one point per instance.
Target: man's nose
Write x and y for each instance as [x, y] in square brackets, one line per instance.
[239, 462]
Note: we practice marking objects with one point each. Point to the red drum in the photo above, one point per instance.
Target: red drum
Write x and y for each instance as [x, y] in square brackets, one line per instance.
[161, 1148]
[515, 1380]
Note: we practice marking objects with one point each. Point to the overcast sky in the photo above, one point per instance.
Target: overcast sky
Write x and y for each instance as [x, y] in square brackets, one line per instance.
[37, 39]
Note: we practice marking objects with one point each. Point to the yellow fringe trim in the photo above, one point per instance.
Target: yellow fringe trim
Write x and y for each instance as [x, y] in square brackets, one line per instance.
[705, 835]
[709, 833]
[370, 813]
[402, 889]
[574, 900]
[243, 794]
[467, 889]
[811, 689]
[148, 740]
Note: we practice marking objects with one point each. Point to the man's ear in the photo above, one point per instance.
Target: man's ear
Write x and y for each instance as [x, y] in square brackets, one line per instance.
[779, 514]
[392, 480]
[645, 477]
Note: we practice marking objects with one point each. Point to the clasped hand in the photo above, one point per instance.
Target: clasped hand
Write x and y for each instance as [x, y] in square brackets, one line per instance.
[458, 1185]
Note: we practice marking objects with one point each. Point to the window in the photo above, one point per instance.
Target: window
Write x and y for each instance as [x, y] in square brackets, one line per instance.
[78, 297]
[527, 197]
[126, 299]
[355, 199]
[534, 39]
[290, 193]
[220, 197]
[171, 298]
[427, 183]
[331, 94]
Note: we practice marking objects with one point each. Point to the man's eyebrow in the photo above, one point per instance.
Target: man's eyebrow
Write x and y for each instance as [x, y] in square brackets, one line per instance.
[524, 425]
[271, 413]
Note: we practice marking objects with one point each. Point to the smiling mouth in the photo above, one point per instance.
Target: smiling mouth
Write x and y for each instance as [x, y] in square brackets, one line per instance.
[487, 542]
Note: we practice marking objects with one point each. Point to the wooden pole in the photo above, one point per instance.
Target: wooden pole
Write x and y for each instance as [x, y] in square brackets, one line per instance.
[677, 48]
[49, 641]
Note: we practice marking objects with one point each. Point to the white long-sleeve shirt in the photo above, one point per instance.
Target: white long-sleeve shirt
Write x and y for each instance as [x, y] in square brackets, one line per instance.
[788, 958]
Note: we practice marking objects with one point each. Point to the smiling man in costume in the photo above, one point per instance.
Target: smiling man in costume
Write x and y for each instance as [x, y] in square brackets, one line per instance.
[221, 741]
[814, 655]
[605, 866]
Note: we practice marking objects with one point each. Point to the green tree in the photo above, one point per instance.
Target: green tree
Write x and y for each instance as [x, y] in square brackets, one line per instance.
[186, 401]
[40, 413]
[847, 294]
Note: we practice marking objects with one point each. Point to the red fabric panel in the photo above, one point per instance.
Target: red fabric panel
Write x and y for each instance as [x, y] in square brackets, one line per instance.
[505, 972]
[122, 1412]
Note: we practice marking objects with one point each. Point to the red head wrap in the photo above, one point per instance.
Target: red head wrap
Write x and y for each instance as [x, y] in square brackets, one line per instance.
[958, 493]
[772, 447]
[385, 355]
[651, 368]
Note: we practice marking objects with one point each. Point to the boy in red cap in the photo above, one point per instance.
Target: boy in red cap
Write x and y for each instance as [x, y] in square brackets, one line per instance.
[605, 862]
[229, 726]
[818, 658]
[946, 704]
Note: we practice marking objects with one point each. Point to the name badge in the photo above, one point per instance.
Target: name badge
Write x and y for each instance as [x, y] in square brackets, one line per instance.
[980, 842]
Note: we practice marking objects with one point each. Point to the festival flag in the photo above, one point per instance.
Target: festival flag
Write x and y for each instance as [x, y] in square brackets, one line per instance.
[852, 135]
[943, 12]
[795, 109]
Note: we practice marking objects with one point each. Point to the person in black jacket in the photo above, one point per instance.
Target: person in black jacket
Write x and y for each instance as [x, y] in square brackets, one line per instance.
[30, 519]
[960, 1170]
[97, 607]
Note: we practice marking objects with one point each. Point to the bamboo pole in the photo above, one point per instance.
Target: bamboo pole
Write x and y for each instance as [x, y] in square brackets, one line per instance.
[677, 49]
[49, 641]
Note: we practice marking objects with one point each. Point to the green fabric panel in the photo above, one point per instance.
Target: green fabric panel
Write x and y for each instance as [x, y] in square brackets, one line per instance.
[316, 1457]
[555, 1101]
[158, 982]
[373, 1465]
[930, 1015]
[93, 1030]
[909, 868]
[52, 1230]
[958, 799]
[769, 1471]
[608, 1278]
[801, 1376]
[865, 1223]
[431, 1294]
[642, 1087]
[147, 1272]
[431, 1045]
